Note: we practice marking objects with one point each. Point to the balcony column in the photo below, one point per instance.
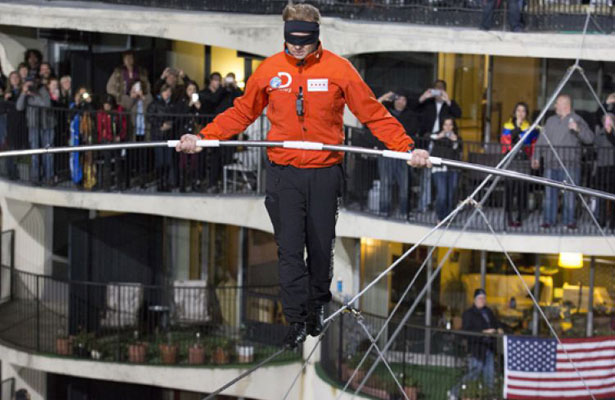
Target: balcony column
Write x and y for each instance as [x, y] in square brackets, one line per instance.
[590, 300]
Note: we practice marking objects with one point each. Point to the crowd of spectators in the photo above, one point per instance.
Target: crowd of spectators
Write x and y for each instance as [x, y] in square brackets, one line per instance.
[40, 109]
[55, 113]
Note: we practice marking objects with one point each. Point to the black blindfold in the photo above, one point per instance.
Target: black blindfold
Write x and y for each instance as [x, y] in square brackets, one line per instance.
[311, 28]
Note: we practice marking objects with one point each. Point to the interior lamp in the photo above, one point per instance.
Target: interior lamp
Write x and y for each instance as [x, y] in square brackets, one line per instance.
[570, 260]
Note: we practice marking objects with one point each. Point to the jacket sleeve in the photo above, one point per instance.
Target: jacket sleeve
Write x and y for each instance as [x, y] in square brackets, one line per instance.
[370, 112]
[506, 140]
[454, 109]
[246, 109]
[21, 102]
[586, 135]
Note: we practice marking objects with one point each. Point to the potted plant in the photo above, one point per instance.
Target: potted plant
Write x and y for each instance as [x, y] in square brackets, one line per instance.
[168, 351]
[63, 344]
[245, 353]
[82, 342]
[221, 353]
[411, 387]
[136, 350]
[196, 351]
[472, 390]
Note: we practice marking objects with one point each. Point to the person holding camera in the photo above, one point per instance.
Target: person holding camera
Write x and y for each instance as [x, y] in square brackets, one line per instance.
[124, 77]
[171, 77]
[163, 127]
[445, 144]
[434, 106]
[35, 100]
[394, 171]
[566, 131]
[193, 121]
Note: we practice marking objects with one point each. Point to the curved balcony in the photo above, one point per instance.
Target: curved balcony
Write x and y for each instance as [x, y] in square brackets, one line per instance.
[160, 335]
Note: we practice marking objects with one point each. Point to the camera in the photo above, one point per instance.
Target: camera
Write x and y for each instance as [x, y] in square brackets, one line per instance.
[435, 92]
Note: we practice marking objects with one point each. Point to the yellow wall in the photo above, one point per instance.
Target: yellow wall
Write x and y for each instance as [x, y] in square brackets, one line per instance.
[514, 79]
[191, 58]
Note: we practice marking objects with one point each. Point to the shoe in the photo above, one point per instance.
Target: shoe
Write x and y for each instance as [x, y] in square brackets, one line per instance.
[545, 225]
[315, 321]
[572, 227]
[296, 335]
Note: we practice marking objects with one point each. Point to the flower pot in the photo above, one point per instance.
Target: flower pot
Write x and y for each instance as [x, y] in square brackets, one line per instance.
[412, 392]
[245, 353]
[220, 356]
[136, 353]
[196, 355]
[375, 392]
[168, 353]
[64, 346]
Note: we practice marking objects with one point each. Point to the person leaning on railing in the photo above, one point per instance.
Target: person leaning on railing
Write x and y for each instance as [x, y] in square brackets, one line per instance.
[190, 108]
[516, 191]
[567, 131]
[162, 122]
[481, 363]
[111, 124]
[15, 122]
[604, 176]
[305, 89]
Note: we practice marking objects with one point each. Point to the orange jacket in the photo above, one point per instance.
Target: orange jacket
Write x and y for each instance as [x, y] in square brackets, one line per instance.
[328, 82]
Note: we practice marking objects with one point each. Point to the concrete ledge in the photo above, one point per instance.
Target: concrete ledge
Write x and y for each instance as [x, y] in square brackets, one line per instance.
[249, 211]
[262, 34]
[203, 380]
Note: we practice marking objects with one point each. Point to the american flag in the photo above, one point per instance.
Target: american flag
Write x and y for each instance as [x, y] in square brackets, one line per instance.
[538, 368]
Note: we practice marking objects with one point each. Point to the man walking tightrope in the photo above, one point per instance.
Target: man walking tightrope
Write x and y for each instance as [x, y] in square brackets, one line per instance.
[305, 89]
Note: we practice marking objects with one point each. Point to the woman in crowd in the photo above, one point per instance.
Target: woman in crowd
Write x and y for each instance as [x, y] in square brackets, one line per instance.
[190, 107]
[82, 167]
[16, 128]
[112, 127]
[164, 126]
[516, 191]
[446, 144]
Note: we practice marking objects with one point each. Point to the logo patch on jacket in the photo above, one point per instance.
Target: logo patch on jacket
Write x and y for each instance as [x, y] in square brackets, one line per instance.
[318, 85]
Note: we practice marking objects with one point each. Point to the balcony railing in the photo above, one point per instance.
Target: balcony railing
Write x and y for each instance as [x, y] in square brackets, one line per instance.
[371, 188]
[183, 323]
[539, 15]
[428, 362]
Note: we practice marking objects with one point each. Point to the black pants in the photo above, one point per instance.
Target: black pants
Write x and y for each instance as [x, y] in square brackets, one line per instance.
[303, 204]
[516, 193]
[514, 14]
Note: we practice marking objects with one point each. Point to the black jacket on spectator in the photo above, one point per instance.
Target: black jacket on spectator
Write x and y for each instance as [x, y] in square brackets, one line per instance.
[158, 112]
[474, 321]
[211, 100]
[446, 148]
[427, 109]
[408, 117]
[177, 93]
[229, 96]
[196, 119]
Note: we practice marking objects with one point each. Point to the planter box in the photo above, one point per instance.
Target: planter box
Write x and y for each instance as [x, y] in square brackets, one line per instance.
[196, 355]
[168, 353]
[64, 346]
[245, 354]
[412, 392]
[136, 353]
[220, 356]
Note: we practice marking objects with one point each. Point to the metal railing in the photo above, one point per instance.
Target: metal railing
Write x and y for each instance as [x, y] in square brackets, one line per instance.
[185, 323]
[377, 187]
[538, 15]
[430, 363]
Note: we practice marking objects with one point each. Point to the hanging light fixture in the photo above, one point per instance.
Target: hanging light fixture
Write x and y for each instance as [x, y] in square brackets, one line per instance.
[570, 260]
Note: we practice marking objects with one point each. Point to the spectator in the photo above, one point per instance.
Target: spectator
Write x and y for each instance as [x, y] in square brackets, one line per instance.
[480, 319]
[609, 106]
[3, 81]
[434, 106]
[23, 70]
[445, 144]
[46, 72]
[605, 163]
[53, 86]
[170, 77]
[515, 7]
[81, 128]
[212, 95]
[190, 106]
[123, 77]
[111, 124]
[565, 129]
[137, 103]
[231, 92]
[33, 59]
[392, 171]
[516, 191]
[22, 394]
[161, 120]
[34, 98]
[15, 122]
[66, 90]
